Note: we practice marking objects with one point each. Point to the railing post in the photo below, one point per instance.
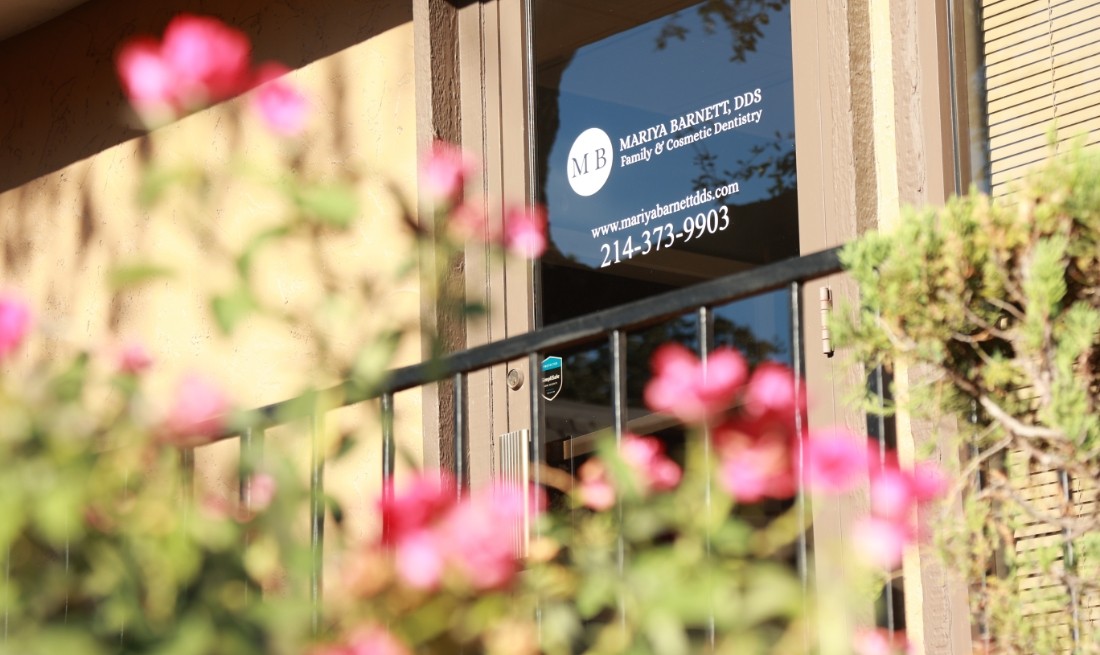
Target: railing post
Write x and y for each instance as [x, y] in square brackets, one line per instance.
[316, 516]
[706, 344]
[1069, 559]
[251, 451]
[617, 344]
[798, 370]
[250, 455]
[187, 480]
[534, 389]
[7, 591]
[389, 447]
[461, 466]
[535, 452]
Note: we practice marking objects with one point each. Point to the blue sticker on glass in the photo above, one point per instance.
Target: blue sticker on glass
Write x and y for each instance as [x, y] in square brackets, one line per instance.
[552, 373]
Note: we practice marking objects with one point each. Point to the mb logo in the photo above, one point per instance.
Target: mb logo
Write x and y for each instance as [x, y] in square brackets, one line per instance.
[590, 161]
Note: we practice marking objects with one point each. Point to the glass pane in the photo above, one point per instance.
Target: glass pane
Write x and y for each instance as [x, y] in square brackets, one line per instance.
[759, 327]
[665, 145]
[666, 157]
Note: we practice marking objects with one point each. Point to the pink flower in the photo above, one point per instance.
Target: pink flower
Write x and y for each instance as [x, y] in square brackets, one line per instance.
[595, 489]
[412, 517]
[755, 461]
[647, 459]
[469, 221]
[929, 481]
[283, 108]
[882, 541]
[525, 231]
[148, 80]
[878, 641]
[445, 171]
[134, 359]
[262, 488]
[835, 460]
[201, 60]
[892, 494]
[215, 507]
[198, 412]
[418, 557]
[681, 387]
[651, 470]
[473, 541]
[481, 536]
[15, 322]
[895, 492]
[209, 59]
[419, 504]
[375, 641]
[774, 390]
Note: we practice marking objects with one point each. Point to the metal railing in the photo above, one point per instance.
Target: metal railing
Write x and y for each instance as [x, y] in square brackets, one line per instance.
[611, 325]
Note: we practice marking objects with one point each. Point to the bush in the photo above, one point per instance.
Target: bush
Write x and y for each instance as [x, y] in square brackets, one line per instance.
[997, 303]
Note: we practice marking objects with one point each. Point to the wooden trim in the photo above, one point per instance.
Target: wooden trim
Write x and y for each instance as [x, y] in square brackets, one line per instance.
[937, 604]
[837, 199]
[492, 55]
[516, 158]
[437, 116]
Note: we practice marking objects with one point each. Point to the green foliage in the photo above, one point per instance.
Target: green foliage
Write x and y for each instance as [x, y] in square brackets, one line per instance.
[232, 308]
[997, 303]
[105, 552]
[333, 205]
[133, 274]
[1000, 296]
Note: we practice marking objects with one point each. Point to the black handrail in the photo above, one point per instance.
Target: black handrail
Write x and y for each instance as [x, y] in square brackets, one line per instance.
[574, 332]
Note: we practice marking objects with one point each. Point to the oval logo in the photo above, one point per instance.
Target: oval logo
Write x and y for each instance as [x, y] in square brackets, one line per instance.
[590, 161]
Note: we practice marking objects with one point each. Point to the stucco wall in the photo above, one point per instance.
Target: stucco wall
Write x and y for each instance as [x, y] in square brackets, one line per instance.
[70, 157]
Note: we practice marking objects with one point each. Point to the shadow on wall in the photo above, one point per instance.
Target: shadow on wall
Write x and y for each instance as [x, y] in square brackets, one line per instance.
[60, 97]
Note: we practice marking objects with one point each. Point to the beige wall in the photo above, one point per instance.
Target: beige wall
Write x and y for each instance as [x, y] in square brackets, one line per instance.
[69, 164]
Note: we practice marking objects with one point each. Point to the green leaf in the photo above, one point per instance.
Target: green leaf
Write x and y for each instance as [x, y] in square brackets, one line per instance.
[130, 275]
[157, 181]
[336, 509]
[230, 309]
[193, 637]
[13, 509]
[375, 360]
[57, 639]
[69, 384]
[597, 592]
[666, 633]
[333, 205]
[474, 309]
[772, 592]
[344, 446]
[59, 513]
[560, 628]
[258, 241]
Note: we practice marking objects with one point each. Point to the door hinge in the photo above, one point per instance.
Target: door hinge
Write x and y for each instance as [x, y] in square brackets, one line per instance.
[825, 295]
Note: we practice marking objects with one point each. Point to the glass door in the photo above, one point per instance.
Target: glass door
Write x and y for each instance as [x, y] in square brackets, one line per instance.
[665, 155]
